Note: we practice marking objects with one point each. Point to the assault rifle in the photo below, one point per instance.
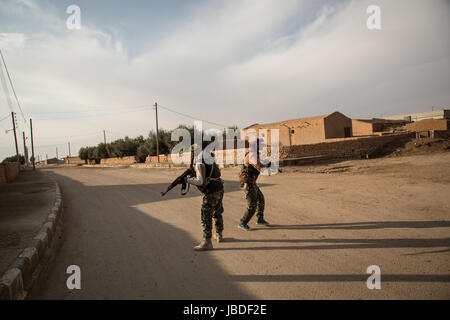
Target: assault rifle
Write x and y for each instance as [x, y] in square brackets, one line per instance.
[180, 180]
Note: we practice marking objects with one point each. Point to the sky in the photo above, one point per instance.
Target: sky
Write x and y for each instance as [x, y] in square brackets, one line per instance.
[229, 62]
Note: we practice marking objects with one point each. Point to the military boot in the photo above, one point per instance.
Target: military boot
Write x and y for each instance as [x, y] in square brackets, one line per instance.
[206, 244]
[218, 236]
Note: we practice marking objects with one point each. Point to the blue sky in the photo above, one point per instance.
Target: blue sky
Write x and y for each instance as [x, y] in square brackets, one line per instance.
[229, 62]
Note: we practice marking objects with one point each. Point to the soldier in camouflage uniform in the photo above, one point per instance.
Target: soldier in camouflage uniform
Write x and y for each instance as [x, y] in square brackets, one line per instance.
[255, 199]
[207, 179]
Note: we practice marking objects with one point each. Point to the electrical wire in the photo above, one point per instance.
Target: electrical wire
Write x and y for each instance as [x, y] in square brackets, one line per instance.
[93, 109]
[49, 145]
[5, 89]
[121, 110]
[191, 117]
[5, 117]
[91, 116]
[12, 87]
[73, 136]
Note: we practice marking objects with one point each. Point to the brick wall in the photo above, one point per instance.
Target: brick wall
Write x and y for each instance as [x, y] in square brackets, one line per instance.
[343, 148]
[162, 159]
[362, 128]
[74, 160]
[9, 171]
[220, 154]
[122, 160]
[428, 125]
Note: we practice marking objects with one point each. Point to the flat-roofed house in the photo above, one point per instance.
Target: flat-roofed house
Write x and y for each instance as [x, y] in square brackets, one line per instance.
[305, 130]
[367, 127]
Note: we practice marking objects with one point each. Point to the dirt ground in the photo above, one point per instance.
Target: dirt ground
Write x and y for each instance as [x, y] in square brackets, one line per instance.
[328, 224]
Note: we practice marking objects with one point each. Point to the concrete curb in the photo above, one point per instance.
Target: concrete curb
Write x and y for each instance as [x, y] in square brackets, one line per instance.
[23, 272]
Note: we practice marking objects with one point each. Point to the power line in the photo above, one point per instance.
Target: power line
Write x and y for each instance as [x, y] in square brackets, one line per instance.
[6, 117]
[50, 145]
[93, 109]
[137, 109]
[12, 87]
[191, 117]
[72, 136]
[5, 89]
[91, 116]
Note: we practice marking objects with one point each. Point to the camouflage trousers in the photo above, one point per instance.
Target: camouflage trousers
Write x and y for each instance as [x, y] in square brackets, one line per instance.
[212, 208]
[255, 202]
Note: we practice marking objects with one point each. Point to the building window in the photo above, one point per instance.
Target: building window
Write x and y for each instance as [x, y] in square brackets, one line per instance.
[292, 131]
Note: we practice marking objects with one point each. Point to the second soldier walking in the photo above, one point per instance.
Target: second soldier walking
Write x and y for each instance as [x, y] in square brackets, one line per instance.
[248, 175]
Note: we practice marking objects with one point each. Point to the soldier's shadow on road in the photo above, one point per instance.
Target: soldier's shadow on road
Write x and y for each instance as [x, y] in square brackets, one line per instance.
[127, 253]
[360, 225]
[441, 244]
[160, 262]
[338, 244]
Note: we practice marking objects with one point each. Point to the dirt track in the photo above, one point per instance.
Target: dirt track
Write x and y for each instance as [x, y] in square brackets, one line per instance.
[329, 223]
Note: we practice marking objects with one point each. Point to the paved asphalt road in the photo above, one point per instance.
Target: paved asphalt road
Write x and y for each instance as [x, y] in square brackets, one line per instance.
[327, 229]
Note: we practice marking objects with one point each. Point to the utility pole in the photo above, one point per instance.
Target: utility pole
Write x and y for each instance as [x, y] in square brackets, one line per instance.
[157, 131]
[32, 144]
[15, 135]
[104, 136]
[69, 149]
[25, 152]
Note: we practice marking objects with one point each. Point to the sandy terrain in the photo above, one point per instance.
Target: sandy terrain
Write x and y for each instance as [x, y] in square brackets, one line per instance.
[329, 223]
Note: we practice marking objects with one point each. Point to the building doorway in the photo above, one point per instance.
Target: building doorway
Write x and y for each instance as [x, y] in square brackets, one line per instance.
[347, 132]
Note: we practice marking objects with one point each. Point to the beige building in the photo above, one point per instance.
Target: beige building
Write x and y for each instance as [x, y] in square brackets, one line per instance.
[435, 114]
[428, 125]
[367, 127]
[305, 130]
[430, 128]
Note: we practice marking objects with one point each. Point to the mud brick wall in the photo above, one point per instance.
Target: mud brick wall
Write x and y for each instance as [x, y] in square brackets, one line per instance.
[9, 171]
[343, 148]
[428, 124]
[220, 156]
[122, 160]
[74, 160]
[162, 159]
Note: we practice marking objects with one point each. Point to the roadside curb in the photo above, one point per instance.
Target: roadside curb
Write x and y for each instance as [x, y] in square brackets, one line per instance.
[23, 272]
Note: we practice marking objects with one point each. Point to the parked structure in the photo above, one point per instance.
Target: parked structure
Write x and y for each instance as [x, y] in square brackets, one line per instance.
[305, 130]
